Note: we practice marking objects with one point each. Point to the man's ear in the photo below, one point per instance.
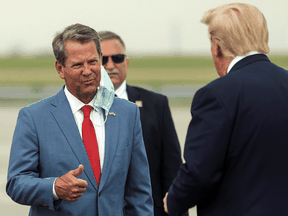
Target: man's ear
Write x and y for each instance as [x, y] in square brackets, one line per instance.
[219, 51]
[127, 62]
[59, 67]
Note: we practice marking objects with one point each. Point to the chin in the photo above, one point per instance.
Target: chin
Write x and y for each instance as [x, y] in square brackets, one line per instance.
[90, 90]
[114, 80]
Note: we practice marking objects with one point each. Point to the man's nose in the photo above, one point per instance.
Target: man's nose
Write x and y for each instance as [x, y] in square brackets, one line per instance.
[86, 70]
[110, 64]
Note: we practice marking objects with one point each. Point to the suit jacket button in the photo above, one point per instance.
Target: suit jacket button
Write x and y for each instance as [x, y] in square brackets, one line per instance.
[100, 193]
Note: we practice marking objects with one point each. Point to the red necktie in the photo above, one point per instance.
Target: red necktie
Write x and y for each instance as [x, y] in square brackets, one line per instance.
[90, 142]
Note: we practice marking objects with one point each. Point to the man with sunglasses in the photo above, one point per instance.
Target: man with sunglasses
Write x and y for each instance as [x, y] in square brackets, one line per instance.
[160, 138]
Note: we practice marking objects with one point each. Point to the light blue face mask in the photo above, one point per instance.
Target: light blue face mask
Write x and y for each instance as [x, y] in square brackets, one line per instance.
[105, 93]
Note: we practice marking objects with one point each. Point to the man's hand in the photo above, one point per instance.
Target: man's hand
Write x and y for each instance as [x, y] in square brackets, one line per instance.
[165, 203]
[68, 187]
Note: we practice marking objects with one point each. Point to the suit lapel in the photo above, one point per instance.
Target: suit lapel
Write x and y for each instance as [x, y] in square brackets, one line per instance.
[135, 97]
[111, 141]
[65, 119]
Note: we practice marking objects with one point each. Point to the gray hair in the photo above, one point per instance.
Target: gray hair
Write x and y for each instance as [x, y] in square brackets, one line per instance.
[76, 32]
[108, 35]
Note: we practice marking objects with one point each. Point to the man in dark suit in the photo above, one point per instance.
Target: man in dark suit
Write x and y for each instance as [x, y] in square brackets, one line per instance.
[237, 142]
[82, 126]
[160, 138]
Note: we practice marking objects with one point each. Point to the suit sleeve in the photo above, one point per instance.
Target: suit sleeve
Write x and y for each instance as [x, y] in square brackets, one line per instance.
[171, 153]
[24, 184]
[205, 151]
[138, 193]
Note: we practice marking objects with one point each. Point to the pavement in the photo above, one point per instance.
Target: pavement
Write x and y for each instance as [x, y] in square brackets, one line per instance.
[8, 116]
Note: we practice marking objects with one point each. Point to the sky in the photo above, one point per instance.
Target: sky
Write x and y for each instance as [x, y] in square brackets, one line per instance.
[146, 26]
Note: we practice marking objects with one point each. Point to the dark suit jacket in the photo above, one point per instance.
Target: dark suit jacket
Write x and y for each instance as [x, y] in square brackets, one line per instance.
[236, 149]
[161, 142]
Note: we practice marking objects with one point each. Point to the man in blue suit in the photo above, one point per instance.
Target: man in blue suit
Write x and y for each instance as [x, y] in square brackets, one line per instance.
[112, 177]
[237, 141]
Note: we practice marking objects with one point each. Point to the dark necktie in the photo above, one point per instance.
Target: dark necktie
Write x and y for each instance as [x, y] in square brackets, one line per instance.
[90, 142]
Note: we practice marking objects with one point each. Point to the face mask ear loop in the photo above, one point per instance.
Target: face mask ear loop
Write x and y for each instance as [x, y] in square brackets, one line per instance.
[106, 116]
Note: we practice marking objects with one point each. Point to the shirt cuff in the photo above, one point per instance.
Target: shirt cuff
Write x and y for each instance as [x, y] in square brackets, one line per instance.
[55, 197]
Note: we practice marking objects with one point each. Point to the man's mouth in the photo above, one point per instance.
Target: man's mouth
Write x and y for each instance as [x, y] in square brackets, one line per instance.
[88, 81]
[112, 72]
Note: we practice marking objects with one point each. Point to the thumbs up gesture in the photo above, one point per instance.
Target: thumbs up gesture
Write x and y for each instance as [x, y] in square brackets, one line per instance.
[70, 188]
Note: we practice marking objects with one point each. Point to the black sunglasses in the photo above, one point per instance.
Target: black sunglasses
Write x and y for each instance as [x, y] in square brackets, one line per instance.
[115, 58]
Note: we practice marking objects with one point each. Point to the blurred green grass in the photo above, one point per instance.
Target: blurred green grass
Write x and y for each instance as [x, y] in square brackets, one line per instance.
[153, 71]
[146, 71]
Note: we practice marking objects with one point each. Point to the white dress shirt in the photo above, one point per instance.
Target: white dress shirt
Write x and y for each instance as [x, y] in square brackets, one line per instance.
[238, 58]
[97, 119]
[121, 91]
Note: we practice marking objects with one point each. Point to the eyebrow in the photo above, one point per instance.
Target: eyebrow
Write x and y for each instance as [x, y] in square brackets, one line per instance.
[79, 62]
[74, 63]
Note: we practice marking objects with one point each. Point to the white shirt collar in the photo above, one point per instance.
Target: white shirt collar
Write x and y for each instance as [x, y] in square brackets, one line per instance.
[74, 102]
[121, 91]
[238, 58]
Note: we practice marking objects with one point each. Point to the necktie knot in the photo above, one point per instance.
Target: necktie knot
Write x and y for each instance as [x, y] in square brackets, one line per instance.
[86, 110]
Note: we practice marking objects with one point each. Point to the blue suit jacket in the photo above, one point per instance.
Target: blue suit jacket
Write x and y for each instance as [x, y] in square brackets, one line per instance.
[237, 145]
[47, 144]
